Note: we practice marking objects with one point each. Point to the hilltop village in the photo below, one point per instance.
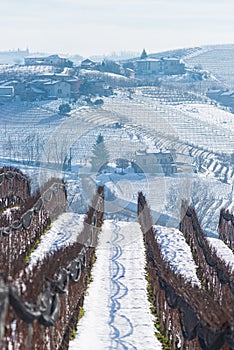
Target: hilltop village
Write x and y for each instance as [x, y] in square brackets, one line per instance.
[51, 77]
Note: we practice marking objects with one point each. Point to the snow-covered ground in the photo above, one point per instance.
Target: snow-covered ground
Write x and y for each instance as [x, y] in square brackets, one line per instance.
[33, 131]
[26, 70]
[64, 230]
[174, 122]
[218, 59]
[209, 113]
[117, 314]
[80, 130]
[165, 193]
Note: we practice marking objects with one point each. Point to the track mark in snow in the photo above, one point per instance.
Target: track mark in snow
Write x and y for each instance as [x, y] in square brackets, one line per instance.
[117, 311]
[119, 291]
[62, 238]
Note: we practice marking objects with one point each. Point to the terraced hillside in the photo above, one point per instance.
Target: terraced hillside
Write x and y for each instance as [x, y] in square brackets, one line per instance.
[217, 59]
[152, 116]
[173, 122]
[195, 128]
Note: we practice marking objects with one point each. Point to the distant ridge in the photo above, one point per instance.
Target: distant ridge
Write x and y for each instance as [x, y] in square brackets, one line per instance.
[185, 52]
[217, 59]
[177, 53]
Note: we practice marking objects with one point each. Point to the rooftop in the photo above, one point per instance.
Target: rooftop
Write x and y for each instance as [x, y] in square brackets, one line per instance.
[152, 151]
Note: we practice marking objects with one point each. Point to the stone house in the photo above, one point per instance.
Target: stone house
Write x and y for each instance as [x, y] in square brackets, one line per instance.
[172, 66]
[87, 64]
[75, 85]
[155, 162]
[55, 88]
[166, 66]
[20, 88]
[52, 60]
[148, 66]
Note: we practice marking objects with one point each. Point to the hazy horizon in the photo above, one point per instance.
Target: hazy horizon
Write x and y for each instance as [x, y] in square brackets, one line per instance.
[88, 28]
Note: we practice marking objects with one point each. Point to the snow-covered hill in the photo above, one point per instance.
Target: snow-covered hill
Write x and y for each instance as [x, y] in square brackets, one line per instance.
[217, 59]
[167, 118]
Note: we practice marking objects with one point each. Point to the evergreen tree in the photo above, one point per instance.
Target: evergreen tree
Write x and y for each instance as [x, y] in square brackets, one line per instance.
[100, 154]
[144, 55]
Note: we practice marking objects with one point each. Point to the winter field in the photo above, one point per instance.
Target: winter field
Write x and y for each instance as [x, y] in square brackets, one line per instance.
[189, 122]
[39, 133]
[36, 133]
[210, 57]
[37, 139]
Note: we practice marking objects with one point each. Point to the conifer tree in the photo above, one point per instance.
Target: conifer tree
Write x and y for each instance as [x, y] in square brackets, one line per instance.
[144, 55]
[100, 154]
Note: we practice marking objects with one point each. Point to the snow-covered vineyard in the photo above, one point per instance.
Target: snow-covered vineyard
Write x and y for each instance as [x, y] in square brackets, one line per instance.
[118, 291]
[88, 249]
[207, 58]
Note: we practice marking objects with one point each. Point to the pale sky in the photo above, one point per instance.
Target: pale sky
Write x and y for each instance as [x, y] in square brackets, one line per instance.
[90, 27]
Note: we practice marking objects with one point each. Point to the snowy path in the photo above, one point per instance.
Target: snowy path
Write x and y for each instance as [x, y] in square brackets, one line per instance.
[117, 314]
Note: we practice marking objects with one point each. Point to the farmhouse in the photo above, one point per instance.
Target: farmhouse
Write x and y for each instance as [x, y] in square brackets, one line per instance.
[166, 66]
[172, 66]
[52, 60]
[155, 161]
[148, 66]
[87, 64]
[75, 84]
[57, 88]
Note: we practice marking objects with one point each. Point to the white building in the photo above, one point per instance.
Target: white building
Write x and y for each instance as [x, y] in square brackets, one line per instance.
[57, 89]
[167, 66]
[155, 162]
[172, 66]
[87, 64]
[52, 60]
[148, 66]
